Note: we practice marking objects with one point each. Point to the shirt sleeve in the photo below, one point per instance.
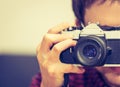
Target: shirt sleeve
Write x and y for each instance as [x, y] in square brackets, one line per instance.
[75, 80]
[36, 80]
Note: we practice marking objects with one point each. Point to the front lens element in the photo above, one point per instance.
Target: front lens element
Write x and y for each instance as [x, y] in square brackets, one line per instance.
[89, 51]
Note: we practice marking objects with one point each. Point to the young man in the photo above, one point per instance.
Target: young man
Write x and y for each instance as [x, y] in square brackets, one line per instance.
[107, 13]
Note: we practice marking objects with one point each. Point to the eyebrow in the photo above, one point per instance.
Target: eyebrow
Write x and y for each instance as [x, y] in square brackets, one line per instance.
[109, 28]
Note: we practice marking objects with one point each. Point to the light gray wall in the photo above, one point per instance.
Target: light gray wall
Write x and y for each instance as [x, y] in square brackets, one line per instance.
[24, 22]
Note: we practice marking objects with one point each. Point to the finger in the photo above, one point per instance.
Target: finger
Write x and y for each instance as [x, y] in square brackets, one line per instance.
[60, 27]
[69, 68]
[73, 69]
[50, 39]
[59, 47]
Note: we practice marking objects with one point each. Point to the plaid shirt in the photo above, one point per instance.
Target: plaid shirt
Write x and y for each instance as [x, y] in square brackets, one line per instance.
[91, 78]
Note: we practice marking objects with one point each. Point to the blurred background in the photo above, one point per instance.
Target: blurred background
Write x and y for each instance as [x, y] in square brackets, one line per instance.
[22, 26]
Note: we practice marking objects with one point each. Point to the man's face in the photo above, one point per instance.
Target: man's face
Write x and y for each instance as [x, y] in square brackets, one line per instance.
[109, 15]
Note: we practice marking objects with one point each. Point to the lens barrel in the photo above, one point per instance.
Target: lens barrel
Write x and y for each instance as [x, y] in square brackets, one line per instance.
[91, 50]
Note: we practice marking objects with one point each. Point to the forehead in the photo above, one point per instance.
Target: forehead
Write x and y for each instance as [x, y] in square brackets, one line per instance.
[107, 13]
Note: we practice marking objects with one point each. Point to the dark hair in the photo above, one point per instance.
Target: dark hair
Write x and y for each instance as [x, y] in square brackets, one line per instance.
[80, 5]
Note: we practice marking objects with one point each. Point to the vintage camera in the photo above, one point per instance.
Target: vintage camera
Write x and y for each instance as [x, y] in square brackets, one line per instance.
[95, 47]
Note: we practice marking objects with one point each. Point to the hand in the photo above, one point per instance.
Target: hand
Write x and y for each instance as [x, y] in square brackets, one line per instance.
[48, 53]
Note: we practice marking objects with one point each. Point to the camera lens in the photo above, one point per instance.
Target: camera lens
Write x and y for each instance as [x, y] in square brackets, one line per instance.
[89, 51]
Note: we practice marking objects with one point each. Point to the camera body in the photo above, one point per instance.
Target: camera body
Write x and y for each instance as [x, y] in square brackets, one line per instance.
[94, 47]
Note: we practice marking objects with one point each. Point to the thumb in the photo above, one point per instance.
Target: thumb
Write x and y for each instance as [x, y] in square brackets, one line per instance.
[70, 68]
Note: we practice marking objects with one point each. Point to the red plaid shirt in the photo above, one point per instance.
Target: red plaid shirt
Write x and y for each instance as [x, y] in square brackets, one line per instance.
[91, 78]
